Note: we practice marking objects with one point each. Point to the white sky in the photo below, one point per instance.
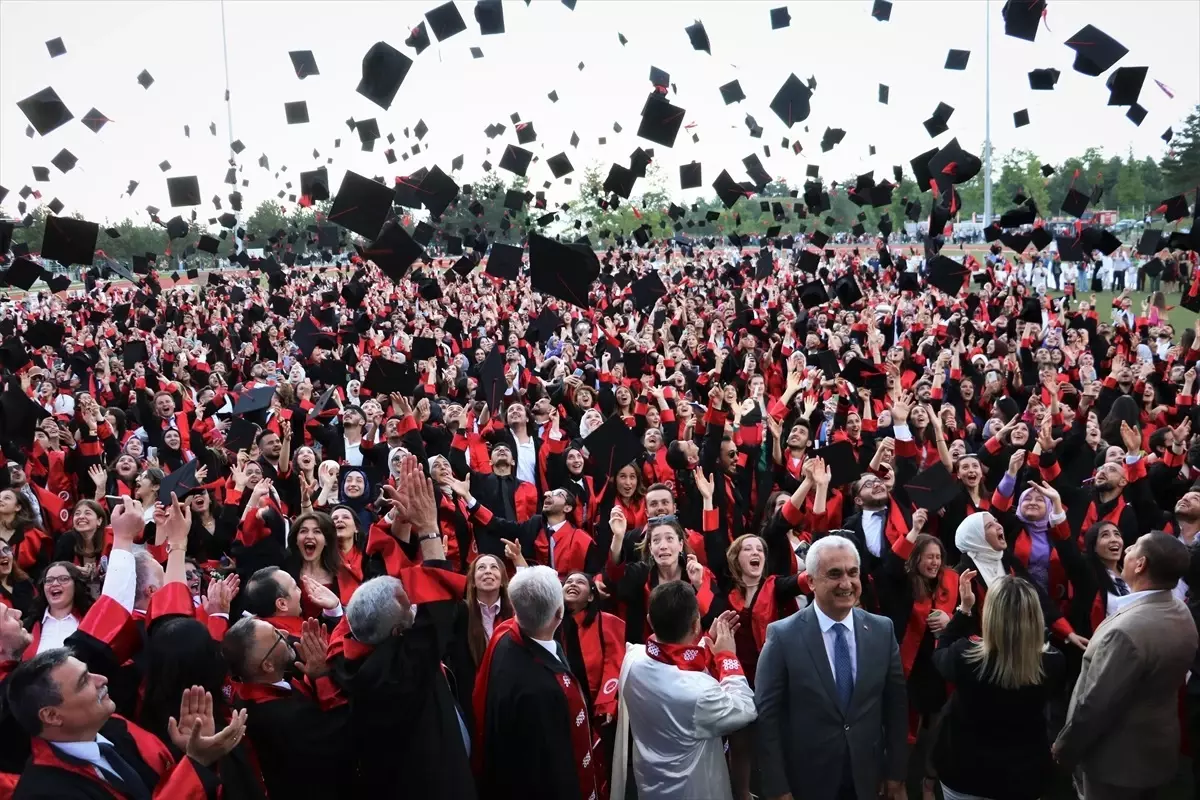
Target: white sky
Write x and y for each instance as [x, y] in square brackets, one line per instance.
[850, 53]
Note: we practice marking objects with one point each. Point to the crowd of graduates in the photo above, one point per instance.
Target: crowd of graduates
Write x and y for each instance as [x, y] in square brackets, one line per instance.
[237, 495]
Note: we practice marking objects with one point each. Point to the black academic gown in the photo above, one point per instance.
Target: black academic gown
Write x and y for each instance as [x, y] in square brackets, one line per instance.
[404, 721]
[527, 749]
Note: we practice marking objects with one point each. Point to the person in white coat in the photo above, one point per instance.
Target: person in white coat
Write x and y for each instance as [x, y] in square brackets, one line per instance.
[680, 695]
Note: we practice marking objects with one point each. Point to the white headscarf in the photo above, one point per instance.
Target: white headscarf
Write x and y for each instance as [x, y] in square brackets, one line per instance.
[969, 539]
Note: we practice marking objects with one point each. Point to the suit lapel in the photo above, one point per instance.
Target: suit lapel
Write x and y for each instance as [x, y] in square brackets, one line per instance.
[866, 665]
[815, 645]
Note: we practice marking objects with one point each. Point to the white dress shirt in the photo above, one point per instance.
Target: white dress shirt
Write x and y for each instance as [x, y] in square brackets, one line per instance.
[872, 525]
[526, 461]
[1118, 603]
[550, 531]
[550, 645]
[353, 452]
[89, 752]
[56, 631]
[830, 638]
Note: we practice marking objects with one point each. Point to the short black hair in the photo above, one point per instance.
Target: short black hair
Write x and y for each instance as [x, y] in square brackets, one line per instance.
[261, 591]
[673, 607]
[30, 688]
[1167, 558]
[236, 646]
[264, 433]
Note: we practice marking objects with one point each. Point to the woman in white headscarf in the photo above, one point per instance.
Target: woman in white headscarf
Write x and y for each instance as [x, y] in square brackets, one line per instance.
[980, 538]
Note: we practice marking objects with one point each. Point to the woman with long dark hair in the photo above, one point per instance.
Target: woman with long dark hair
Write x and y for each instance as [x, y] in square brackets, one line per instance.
[351, 544]
[31, 545]
[485, 607]
[1095, 573]
[16, 590]
[57, 610]
[312, 552]
[85, 544]
[180, 653]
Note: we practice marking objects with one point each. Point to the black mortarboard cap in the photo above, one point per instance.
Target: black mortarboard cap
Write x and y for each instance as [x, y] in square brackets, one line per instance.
[560, 165]
[145, 79]
[180, 482]
[438, 190]
[314, 184]
[23, 273]
[361, 205]
[1022, 18]
[445, 21]
[732, 93]
[1069, 248]
[45, 111]
[690, 175]
[1174, 208]
[882, 10]
[698, 36]
[1031, 310]
[612, 446]
[65, 161]
[780, 18]
[862, 373]
[184, 191]
[729, 190]
[660, 120]
[385, 377]
[418, 38]
[296, 113]
[241, 434]
[1043, 80]
[957, 59]
[1095, 51]
[565, 271]
[394, 251]
[1041, 238]
[846, 290]
[1136, 114]
[1021, 118]
[383, 70]
[1150, 243]
[134, 352]
[516, 159]
[883, 94]
[920, 168]
[70, 241]
[1125, 85]
[791, 102]
[208, 244]
[304, 63]
[813, 294]
[932, 488]
[620, 181]
[257, 399]
[56, 47]
[647, 290]
[490, 16]
[19, 415]
[504, 261]
[842, 464]
[1075, 203]
[947, 274]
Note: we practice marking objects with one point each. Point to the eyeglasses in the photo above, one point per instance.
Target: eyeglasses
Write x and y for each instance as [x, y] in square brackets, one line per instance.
[280, 639]
[6, 551]
[56, 580]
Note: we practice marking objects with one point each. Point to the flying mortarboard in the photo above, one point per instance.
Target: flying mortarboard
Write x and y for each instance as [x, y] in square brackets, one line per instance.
[361, 205]
[957, 59]
[1043, 80]
[296, 113]
[1125, 84]
[882, 10]
[504, 261]
[698, 37]
[791, 102]
[1095, 51]
[180, 482]
[565, 271]
[932, 488]
[612, 446]
[1021, 118]
[383, 70]
[70, 241]
[184, 191]
[304, 63]
[45, 111]
[732, 93]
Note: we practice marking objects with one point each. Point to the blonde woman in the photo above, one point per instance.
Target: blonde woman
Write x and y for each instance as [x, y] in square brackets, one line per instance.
[993, 743]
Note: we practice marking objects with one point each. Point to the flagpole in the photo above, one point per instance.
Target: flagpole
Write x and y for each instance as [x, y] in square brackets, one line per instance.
[238, 244]
[987, 115]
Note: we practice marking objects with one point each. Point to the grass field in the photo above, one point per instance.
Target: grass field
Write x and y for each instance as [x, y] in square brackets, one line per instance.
[1178, 316]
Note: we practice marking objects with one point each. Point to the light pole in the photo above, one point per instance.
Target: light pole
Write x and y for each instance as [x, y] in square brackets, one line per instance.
[987, 114]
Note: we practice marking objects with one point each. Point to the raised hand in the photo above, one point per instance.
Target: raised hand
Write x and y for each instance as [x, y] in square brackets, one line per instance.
[1131, 439]
[127, 521]
[416, 499]
[311, 649]
[703, 485]
[1050, 493]
[722, 631]
[966, 594]
[617, 522]
[193, 733]
[695, 572]
[320, 595]
[1015, 462]
[919, 518]
[512, 551]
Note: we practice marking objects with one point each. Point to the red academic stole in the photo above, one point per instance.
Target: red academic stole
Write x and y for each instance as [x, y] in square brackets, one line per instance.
[582, 740]
[603, 646]
[694, 658]
[945, 598]
[763, 611]
[1091, 517]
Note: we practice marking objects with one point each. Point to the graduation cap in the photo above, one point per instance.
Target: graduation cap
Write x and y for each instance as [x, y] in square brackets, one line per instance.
[1136, 114]
[516, 159]
[565, 271]
[418, 38]
[612, 446]
[882, 10]
[862, 373]
[1021, 118]
[56, 47]
[1125, 84]
[727, 189]
[361, 205]
[13, 355]
[1075, 203]
[445, 21]
[883, 94]
[145, 79]
[947, 274]
[394, 251]
[780, 18]
[184, 191]
[19, 415]
[1174, 208]
[1041, 238]
[846, 290]
[813, 294]
[65, 161]
[690, 175]
[134, 352]
[839, 458]
[1095, 51]
[647, 290]
[70, 241]
[304, 63]
[385, 377]
[932, 488]
[258, 399]
[180, 482]
[660, 120]
[23, 273]
[490, 16]
[504, 261]
[241, 436]
[732, 92]
[45, 111]
[957, 59]
[698, 36]
[383, 70]
[791, 102]
[296, 113]
[1069, 248]
[1150, 243]
[1043, 80]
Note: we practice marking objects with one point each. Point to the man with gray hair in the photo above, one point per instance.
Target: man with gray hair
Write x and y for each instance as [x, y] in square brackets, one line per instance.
[535, 734]
[830, 692]
[406, 725]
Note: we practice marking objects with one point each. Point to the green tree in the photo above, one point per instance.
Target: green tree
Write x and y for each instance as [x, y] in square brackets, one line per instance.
[1130, 191]
[1181, 165]
[268, 218]
[1035, 185]
[1152, 180]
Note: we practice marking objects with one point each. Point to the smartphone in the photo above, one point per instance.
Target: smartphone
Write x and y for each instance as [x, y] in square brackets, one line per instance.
[151, 452]
[578, 373]
[113, 500]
